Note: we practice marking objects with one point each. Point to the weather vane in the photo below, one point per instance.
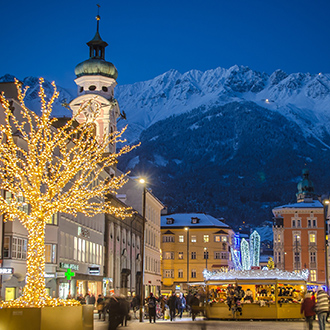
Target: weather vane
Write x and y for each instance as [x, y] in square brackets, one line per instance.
[98, 16]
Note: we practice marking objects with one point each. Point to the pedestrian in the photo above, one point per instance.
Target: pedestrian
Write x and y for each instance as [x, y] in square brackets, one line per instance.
[194, 306]
[152, 301]
[115, 313]
[172, 304]
[124, 309]
[100, 305]
[308, 308]
[181, 304]
[322, 307]
[92, 300]
[162, 306]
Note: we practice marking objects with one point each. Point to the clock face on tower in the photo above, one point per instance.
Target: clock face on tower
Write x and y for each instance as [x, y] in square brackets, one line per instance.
[91, 109]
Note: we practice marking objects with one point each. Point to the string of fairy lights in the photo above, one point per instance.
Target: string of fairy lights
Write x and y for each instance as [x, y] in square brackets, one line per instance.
[52, 170]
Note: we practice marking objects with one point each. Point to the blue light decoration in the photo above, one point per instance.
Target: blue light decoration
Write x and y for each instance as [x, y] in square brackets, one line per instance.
[236, 257]
[245, 253]
[255, 248]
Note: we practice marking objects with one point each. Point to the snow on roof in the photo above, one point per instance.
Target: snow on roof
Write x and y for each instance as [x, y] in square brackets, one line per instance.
[184, 220]
[271, 274]
[313, 204]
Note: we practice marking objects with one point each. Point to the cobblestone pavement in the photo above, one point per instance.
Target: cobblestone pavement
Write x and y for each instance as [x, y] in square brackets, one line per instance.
[199, 324]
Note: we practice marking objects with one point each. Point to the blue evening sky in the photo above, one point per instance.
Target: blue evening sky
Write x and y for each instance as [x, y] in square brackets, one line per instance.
[148, 38]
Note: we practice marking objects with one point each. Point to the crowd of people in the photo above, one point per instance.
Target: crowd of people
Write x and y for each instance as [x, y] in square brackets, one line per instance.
[116, 308]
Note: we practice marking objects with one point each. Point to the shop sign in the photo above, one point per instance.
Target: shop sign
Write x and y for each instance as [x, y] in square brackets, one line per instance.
[50, 275]
[69, 266]
[6, 271]
[94, 270]
[60, 275]
[255, 267]
[178, 287]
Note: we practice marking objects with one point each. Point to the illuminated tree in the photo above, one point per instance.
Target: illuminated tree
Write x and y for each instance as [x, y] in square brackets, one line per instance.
[52, 170]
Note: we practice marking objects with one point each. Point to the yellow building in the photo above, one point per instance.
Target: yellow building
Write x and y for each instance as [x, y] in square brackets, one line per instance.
[204, 239]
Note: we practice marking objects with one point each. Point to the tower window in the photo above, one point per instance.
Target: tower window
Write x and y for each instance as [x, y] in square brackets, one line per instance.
[81, 89]
[104, 88]
[92, 88]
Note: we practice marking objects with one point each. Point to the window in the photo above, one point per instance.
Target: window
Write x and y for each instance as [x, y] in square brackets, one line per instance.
[293, 223]
[193, 255]
[309, 223]
[53, 220]
[313, 275]
[181, 239]
[180, 273]
[279, 238]
[168, 273]
[50, 253]
[180, 255]
[224, 238]
[312, 257]
[217, 238]
[224, 255]
[6, 247]
[206, 254]
[206, 238]
[169, 221]
[312, 238]
[217, 255]
[314, 223]
[193, 239]
[297, 256]
[296, 239]
[193, 273]
[298, 223]
[19, 248]
[168, 255]
[279, 257]
[194, 220]
[167, 239]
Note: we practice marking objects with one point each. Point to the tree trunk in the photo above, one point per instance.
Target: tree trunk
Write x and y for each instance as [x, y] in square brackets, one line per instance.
[34, 292]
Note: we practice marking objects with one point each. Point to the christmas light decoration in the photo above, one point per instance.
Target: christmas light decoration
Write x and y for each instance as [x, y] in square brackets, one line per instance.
[236, 257]
[254, 248]
[52, 170]
[245, 253]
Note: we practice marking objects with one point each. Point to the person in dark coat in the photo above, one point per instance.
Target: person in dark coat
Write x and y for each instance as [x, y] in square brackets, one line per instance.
[152, 302]
[194, 306]
[100, 305]
[172, 304]
[116, 312]
[181, 304]
[308, 308]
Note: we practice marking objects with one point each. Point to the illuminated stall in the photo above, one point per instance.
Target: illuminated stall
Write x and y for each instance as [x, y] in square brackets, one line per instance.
[255, 294]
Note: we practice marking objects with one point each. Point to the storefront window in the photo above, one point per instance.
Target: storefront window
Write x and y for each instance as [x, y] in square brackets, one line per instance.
[50, 253]
[6, 247]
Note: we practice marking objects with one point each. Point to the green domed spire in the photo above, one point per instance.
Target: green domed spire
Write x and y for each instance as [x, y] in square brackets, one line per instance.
[96, 64]
[305, 187]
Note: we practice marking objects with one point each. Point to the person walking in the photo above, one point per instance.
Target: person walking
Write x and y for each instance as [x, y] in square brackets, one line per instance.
[308, 309]
[322, 307]
[100, 305]
[181, 304]
[194, 306]
[172, 304]
[152, 301]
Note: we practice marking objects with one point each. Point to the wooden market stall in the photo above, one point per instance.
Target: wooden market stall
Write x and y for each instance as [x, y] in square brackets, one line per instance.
[255, 294]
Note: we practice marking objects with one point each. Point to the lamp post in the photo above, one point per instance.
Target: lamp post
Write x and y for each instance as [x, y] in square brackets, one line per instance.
[131, 254]
[142, 181]
[187, 229]
[325, 204]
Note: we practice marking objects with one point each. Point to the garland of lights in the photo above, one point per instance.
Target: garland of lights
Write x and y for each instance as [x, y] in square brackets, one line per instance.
[58, 170]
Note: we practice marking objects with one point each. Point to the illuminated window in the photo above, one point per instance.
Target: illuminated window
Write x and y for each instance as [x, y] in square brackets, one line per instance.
[181, 239]
[168, 273]
[217, 238]
[313, 275]
[50, 253]
[224, 238]
[168, 255]
[180, 255]
[312, 238]
[53, 220]
[279, 238]
[193, 239]
[206, 238]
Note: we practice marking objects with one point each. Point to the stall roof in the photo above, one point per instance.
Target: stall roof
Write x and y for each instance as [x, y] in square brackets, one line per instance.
[256, 274]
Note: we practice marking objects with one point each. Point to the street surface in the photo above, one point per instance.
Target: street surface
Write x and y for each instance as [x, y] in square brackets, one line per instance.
[199, 324]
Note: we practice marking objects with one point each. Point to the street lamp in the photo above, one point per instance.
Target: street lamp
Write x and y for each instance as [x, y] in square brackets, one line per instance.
[325, 204]
[187, 229]
[142, 181]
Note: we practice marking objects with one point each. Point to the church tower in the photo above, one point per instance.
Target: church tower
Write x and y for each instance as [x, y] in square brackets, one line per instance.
[96, 80]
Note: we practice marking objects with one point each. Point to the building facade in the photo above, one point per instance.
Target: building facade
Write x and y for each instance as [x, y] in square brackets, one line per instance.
[190, 244]
[299, 233]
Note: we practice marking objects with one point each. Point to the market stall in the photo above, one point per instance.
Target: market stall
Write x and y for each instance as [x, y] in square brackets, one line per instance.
[255, 294]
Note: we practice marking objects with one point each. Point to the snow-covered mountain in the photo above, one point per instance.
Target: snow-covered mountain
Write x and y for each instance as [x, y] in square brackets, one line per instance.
[229, 142]
[301, 97]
